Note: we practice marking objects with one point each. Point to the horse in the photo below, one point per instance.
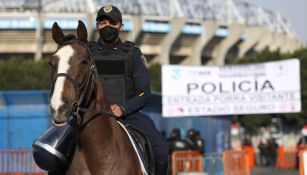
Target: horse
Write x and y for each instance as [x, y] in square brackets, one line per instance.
[102, 146]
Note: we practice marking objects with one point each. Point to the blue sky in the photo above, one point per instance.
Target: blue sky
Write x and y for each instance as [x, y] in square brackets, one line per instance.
[294, 11]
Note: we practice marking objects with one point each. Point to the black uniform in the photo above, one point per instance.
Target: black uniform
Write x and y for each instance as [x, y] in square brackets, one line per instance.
[126, 80]
[176, 143]
[195, 141]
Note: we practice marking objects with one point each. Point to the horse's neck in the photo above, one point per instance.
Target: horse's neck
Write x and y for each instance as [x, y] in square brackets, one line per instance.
[98, 130]
[101, 127]
[93, 142]
[103, 149]
[96, 141]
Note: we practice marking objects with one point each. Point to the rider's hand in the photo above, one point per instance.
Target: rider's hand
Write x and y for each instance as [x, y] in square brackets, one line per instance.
[116, 110]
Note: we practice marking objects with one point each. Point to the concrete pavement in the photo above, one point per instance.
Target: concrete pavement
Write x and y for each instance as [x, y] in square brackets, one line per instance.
[273, 171]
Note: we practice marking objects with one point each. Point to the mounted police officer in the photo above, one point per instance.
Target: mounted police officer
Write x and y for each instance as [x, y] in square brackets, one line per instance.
[124, 71]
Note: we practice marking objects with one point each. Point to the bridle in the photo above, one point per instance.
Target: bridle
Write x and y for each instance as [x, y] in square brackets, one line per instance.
[87, 84]
[84, 91]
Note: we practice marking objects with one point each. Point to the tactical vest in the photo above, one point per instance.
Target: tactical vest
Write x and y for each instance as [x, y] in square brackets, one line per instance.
[115, 69]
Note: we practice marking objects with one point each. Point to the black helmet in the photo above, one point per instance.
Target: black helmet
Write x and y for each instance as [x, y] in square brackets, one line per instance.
[176, 133]
[54, 149]
[192, 133]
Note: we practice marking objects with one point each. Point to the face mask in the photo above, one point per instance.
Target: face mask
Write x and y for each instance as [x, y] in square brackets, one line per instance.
[108, 34]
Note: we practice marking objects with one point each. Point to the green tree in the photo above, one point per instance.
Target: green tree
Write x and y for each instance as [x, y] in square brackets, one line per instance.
[155, 72]
[24, 74]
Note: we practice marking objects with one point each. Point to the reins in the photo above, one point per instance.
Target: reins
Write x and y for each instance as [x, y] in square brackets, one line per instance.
[97, 113]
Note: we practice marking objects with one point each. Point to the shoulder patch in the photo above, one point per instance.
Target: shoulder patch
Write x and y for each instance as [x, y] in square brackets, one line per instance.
[145, 61]
[129, 43]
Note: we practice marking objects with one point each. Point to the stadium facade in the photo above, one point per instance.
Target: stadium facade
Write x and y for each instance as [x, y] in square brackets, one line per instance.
[188, 32]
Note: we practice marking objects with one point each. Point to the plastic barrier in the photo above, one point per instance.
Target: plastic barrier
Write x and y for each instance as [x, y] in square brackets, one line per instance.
[235, 163]
[186, 161]
[250, 154]
[18, 162]
[302, 158]
[287, 157]
[301, 147]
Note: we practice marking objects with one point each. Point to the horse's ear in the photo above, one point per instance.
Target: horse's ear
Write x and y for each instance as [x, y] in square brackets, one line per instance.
[57, 33]
[82, 32]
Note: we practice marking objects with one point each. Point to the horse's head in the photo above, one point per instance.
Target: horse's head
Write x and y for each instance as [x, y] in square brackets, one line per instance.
[72, 74]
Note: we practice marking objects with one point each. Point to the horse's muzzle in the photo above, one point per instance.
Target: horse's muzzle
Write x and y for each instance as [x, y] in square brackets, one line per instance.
[61, 115]
[60, 119]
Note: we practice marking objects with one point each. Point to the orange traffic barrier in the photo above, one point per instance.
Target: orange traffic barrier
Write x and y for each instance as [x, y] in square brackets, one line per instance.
[250, 155]
[18, 162]
[187, 161]
[301, 161]
[235, 162]
[287, 157]
[301, 147]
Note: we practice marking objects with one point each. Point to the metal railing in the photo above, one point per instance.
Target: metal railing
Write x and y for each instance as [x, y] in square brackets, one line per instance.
[193, 162]
[18, 161]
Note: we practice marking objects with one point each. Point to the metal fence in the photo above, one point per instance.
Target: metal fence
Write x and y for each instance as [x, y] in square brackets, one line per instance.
[193, 162]
[213, 164]
[18, 162]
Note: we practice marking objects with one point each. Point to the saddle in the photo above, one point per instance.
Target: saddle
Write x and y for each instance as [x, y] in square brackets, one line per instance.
[143, 147]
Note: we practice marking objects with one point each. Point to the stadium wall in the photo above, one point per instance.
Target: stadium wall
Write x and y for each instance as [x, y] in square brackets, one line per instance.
[162, 39]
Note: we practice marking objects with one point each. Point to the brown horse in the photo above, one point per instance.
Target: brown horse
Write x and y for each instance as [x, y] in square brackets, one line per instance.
[103, 147]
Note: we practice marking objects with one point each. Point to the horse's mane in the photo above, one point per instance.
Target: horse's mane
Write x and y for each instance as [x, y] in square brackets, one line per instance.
[69, 37]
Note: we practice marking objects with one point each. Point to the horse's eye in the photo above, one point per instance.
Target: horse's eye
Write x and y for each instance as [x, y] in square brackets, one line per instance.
[52, 62]
[84, 62]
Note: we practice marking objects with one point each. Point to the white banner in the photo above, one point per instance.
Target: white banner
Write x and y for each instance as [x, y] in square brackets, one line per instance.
[272, 87]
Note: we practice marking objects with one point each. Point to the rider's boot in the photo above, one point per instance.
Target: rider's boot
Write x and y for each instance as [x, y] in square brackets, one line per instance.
[161, 168]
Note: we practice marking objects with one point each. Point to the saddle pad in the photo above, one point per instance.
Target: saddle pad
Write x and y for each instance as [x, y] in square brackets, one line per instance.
[144, 172]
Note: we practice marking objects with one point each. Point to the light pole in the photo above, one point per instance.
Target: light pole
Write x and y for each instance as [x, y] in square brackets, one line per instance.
[39, 32]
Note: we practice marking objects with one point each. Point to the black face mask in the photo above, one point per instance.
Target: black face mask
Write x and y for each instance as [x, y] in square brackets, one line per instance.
[108, 34]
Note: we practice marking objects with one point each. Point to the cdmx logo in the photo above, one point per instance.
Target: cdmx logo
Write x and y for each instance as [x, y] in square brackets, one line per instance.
[176, 74]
